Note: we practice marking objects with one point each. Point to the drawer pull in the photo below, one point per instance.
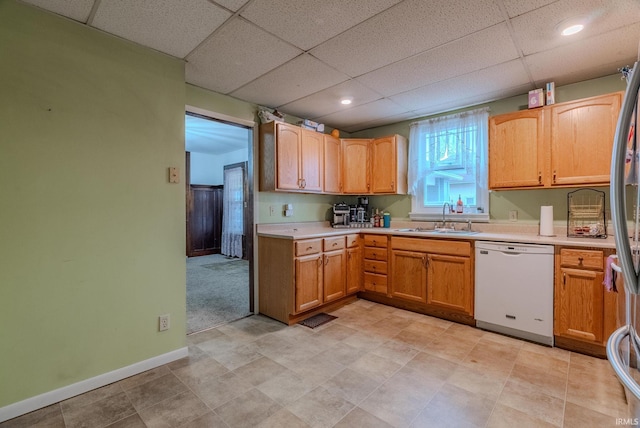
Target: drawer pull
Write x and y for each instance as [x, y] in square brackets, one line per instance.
[309, 248]
[334, 244]
[511, 317]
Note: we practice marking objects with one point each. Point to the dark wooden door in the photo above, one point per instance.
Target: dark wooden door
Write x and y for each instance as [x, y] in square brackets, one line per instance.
[205, 220]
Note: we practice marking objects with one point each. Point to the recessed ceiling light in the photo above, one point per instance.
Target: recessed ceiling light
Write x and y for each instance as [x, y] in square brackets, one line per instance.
[573, 25]
[346, 101]
[572, 29]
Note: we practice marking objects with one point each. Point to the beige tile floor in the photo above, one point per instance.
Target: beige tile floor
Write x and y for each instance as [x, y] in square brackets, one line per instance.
[373, 366]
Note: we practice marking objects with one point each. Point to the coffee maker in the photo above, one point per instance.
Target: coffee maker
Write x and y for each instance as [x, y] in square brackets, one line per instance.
[340, 215]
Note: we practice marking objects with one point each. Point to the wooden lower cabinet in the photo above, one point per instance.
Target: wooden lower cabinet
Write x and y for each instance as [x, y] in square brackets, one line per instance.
[450, 283]
[375, 263]
[409, 275]
[435, 276]
[582, 307]
[301, 277]
[308, 280]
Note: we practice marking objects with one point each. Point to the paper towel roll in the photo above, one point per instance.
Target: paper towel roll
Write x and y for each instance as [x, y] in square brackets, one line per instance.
[546, 220]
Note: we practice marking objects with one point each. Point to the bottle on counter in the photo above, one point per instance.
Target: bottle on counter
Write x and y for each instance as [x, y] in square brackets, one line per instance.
[459, 205]
[376, 219]
[386, 220]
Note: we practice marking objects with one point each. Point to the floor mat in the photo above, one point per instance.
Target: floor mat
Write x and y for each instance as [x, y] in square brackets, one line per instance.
[317, 320]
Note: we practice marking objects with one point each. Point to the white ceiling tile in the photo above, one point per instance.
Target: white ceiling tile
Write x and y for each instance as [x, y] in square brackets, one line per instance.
[296, 79]
[233, 5]
[77, 10]
[328, 100]
[578, 61]
[406, 29]
[164, 25]
[307, 23]
[248, 53]
[364, 113]
[503, 76]
[518, 7]
[481, 50]
[537, 31]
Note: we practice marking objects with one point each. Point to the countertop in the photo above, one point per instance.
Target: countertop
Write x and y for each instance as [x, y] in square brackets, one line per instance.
[500, 232]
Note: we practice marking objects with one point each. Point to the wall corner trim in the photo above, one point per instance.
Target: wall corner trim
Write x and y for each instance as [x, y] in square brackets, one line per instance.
[39, 401]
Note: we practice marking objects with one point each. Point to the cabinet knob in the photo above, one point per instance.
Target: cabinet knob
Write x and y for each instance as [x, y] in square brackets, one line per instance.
[335, 243]
[580, 260]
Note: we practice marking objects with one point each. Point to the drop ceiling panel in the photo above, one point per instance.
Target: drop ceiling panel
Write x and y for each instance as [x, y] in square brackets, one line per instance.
[233, 5]
[480, 50]
[578, 61]
[164, 25]
[503, 76]
[387, 120]
[379, 109]
[307, 23]
[518, 7]
[537, 31]
[327, 101]
[77, 10]
[237, 54]
[296, 79]
[406, 29]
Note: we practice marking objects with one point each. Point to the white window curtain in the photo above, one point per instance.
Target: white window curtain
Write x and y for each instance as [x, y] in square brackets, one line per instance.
[233, 212]
[443, 152]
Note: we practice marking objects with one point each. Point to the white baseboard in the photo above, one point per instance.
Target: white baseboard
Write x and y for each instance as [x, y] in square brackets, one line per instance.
[39, 401]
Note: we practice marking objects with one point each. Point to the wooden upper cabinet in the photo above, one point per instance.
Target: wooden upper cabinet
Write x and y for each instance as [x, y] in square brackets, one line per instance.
[389, 165]
[332, 165]
[311, 160]
[567, 144]
[582, 135]
[355, 166]
[292, 158]
[516, 151]
[287, 147]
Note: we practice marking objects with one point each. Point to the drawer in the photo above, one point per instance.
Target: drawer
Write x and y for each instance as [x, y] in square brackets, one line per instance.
[375, 266]
[582, 259]
[374, 282]
[375, 241]
[336, 243]
[433, 246]
[375, 253]
[353, 240]
[310, 246]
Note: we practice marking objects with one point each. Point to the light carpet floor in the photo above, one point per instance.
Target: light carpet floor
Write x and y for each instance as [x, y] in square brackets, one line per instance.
[217, 291]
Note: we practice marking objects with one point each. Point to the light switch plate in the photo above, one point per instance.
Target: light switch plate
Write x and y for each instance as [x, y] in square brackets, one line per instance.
[174, 175]
[513, 215]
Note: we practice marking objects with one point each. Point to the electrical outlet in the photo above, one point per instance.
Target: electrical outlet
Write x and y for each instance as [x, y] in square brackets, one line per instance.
[164, 322]
[513, 215]
[272, 210]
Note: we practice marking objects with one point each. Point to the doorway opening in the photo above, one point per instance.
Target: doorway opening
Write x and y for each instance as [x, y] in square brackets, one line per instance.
[219, 227]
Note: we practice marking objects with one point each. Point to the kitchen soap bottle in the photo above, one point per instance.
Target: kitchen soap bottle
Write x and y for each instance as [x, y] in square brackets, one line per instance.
[459, 205]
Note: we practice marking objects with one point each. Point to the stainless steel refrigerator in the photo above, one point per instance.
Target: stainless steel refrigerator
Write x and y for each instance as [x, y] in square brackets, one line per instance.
[623, 346]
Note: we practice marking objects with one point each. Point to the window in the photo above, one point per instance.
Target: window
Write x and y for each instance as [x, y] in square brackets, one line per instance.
[447, 162]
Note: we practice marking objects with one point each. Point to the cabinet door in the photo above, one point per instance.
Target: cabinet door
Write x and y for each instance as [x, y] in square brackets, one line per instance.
[311, 161]
[354, 269]
[334, 275]
[332, 165]
[516, 150]
[383, 165]
[288, 140]
[355, 166]
[582, 135]
[409, 275]
[449, 284]
[308, 282]
[579, 305]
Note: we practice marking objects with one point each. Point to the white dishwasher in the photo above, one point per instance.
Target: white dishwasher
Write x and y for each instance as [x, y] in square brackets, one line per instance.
[514, 289]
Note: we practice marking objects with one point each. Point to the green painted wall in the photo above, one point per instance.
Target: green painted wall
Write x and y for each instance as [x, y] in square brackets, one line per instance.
[92, 238]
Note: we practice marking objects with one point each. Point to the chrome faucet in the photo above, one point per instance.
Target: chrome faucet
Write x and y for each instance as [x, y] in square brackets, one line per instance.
[446, 204]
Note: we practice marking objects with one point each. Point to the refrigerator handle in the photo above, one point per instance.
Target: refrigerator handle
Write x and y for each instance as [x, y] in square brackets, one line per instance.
[617, 187]
[613, 344]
